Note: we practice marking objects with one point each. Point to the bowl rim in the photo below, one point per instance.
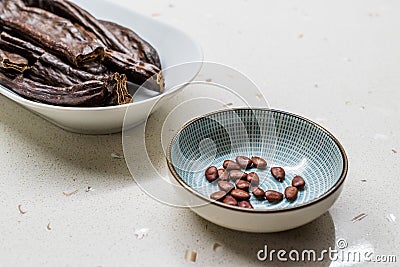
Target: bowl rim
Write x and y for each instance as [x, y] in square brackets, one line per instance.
[328, 193]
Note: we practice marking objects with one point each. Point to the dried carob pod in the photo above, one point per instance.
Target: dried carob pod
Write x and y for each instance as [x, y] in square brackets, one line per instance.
[136, 71]
[137, 47]
[22, 47]
[49, 31]
[57, 53]
[91, 93]
[126, 52]
[12, 61]
[76, 14]
[50, 75]
[47, 68]
[112, 35]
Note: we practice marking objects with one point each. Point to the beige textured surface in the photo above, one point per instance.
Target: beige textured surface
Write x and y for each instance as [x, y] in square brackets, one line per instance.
[336, 62]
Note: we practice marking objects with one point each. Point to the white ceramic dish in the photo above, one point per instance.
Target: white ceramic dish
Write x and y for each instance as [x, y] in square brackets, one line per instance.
[174, 48]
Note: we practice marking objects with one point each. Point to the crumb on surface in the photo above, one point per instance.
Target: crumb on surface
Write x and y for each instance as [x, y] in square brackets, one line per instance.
[215, 246]
[70, 193]
[20, 210]
[117, 155]
[359, 217]
[190, 255]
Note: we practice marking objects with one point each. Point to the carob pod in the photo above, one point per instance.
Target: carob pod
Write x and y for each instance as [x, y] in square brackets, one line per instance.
[139, 54]
[55, 71]
[76, 14]
[50, 70]
[91, 93]
[112, 35]
[12, 61]
[57, 34]
[138, 72]
[22, 47]
[59, 39]
[138, 48]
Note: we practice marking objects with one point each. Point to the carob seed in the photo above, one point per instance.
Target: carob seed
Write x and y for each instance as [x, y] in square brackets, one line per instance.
[245, 204]
[219, 195]
[211, 174]
[244, 162]
[240, 194]
[278, 173]
[258, 193]
[240, 184]
[291, 193]
[273, 196]
[223, 174]
[259, 163]
[230, 165]
[253, 178]
[237, 175]
[298, 182]
[225, 186]
[230, 201]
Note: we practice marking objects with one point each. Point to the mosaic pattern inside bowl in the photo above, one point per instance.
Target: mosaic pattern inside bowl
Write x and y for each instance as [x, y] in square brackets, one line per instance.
[298, 145]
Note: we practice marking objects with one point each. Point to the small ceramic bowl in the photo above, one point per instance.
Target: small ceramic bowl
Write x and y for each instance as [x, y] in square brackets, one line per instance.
[297, 144]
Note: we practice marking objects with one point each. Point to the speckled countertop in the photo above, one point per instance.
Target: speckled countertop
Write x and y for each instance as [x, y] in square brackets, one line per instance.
[336, 62]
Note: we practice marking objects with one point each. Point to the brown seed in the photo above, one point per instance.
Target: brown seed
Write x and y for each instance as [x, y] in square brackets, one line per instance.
[244, 162]
[278, 173]
[240, 194]
[225, 186]
[258, 193]
[240, 184]
[211, 174]
[245, 204]
[230, 165]
[253, 178]
[230, 201]
[223, 174]
[258, 162]
[291, 193]
[219, 195]
[237, 175]
[298, 182]
[273, 196]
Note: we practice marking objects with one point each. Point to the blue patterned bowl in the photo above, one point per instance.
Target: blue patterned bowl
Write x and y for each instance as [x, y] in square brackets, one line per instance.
[299, 145]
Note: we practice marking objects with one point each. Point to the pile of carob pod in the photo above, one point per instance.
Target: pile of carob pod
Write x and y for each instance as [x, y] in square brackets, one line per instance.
[56, 53]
